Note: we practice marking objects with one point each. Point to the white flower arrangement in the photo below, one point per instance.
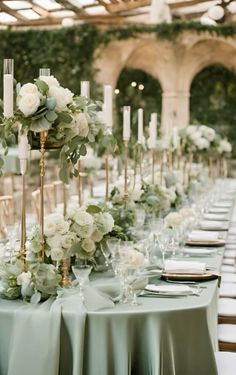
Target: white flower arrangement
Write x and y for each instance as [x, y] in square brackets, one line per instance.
[58, 237]
[90, 225]
[224, 147]
[72, 122]
[198, 138]
[39, 282]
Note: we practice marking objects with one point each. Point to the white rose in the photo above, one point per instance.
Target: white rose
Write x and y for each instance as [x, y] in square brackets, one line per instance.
[83, 218]
[173, 219]
[88, 245]
[50, 227]
[29, 88]
[84, 231]
[57, 254]
[172, 194]
[97, 236]
[63, 96]
[81, 123]
[24, 279]
[136, 193]
[68, 240]
[190, 129]
[28, 104]
[63, 227]
[50, 80]
[54, 241]
[202, 144]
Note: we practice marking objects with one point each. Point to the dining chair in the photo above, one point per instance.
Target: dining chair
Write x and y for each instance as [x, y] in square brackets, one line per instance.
[49, 202]
[6, 212]
[227, 337]
[226, 363]
[227, 290]
[228, 277]
[227, 310]
[58, 187]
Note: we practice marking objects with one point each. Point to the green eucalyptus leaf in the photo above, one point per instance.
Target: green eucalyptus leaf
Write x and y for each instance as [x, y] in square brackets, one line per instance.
[92, 209]
[83, 150]
[64, 117]
[51, 103]
[42, 86]
[63, 175]
[75, 248]
[51, 116]
[41, 124]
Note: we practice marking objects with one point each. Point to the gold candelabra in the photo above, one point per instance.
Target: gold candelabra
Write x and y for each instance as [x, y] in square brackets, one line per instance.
[65, 282]
[126, 194]
[22, 251]
[43, 138]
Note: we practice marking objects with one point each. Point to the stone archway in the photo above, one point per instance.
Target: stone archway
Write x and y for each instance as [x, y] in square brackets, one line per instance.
[145, 53]
[173, 63]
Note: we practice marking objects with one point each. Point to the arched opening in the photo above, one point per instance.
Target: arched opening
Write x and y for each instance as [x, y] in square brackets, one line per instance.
[212, 101]
[139, 90]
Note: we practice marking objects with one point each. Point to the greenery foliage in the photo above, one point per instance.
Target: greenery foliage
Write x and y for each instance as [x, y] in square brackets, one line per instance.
[69, 52]
[149, 98]
[213, 94]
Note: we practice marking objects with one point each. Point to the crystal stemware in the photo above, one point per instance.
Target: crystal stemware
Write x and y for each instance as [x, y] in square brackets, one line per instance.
[81, 272]
[113, 245]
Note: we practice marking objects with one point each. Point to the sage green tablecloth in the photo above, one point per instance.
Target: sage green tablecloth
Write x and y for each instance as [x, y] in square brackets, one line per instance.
[162, 336]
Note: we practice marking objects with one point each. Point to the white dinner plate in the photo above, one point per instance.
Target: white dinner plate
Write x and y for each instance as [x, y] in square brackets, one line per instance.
[197, 252]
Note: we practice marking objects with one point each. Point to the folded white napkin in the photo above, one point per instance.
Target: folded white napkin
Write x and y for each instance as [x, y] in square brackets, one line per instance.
[219, 210]
[176, 266]
[223, 204]
[208, 224]
[200, 235]
[215, 217]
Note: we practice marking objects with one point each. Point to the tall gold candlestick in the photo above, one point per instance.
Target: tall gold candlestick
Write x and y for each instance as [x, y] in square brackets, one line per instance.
[153, 165]
[43, 138]
[107, 176]
[23, 227]
[126, 194]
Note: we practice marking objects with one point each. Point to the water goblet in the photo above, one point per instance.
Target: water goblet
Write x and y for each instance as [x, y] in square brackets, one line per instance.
[81, 272]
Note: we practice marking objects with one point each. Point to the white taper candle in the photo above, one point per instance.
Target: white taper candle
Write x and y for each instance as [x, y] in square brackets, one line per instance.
[85, 89]
[126, 123]
[140, 125]
[153, 130]
[8, 95]
[107, 106]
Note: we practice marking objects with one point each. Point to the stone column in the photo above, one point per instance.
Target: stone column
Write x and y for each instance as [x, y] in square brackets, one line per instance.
[175, 110]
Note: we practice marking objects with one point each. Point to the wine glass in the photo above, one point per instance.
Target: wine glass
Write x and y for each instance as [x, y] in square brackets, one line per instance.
[163, 240]
[113, 245]
[105, 252]
[81, 272]
[140, 216]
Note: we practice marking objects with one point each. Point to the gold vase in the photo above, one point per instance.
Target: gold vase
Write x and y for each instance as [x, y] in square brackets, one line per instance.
[65, 270]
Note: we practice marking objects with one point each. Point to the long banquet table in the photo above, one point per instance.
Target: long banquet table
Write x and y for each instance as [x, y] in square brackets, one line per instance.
[162, 336]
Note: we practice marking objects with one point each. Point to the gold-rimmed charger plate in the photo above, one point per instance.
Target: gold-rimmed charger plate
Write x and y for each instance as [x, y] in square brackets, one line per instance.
[190, 276]
[219, 242]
